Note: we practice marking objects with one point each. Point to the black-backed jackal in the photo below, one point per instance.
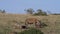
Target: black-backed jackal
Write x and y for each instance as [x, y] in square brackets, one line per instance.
[33, 21]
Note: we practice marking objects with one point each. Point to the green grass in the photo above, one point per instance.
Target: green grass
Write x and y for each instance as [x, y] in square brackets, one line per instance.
[31, 31]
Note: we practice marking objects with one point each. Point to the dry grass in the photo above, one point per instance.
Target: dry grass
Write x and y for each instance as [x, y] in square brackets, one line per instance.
[53, 21]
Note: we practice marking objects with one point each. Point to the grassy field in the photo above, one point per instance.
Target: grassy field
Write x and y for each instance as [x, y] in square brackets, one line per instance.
[53, 21]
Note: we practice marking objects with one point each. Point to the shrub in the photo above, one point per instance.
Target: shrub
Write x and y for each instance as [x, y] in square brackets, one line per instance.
[31, 31]
[40, 14]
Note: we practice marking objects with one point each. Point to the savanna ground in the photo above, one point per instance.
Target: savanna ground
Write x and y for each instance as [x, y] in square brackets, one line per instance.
[53, 22]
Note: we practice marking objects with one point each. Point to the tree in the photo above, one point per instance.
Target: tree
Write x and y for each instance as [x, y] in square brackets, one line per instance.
[40, 12]
[3, 11]
[29, 11]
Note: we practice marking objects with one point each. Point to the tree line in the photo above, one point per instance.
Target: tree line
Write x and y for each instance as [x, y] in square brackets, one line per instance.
[38, 12]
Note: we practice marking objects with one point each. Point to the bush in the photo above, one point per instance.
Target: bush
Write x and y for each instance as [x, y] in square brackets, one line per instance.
[42, 14]
[31, 31]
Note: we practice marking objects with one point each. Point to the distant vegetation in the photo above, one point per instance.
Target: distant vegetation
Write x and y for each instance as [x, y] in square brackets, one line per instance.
[2, 11]
[56, 14]
[38, 12]
[29, 11]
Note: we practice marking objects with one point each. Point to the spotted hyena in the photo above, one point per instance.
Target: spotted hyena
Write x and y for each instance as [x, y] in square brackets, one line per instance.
[34, 21]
